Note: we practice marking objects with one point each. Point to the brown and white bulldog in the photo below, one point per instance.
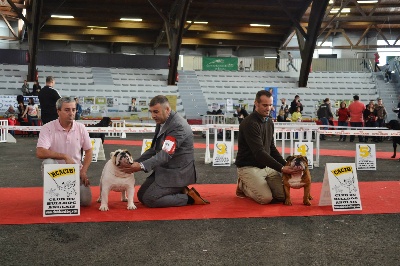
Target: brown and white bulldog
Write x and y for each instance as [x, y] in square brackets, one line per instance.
[112, 178]
[298, 181]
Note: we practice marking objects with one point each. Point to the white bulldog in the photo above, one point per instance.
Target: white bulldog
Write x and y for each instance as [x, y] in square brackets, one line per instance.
[112, 178]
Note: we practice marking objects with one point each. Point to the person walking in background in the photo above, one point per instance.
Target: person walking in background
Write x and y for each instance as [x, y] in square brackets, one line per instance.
[381, 114]
[324, 114]
[241, 67]
[48, 97]
[343, 118]
[32, 111]
[376, 62]
[290, 62]
[78, 109]
[278, 61]
[356, 109]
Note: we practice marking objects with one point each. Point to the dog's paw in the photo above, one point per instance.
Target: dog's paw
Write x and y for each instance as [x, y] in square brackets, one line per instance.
[288, 202]
[103, 208]
[124, 199]
[307, 202]
[132, 207]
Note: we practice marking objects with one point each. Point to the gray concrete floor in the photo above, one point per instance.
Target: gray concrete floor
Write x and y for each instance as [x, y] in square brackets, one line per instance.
[325, 240]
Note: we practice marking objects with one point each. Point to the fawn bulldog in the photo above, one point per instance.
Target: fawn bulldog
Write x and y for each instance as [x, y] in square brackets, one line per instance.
[298, 181]
[112, 178]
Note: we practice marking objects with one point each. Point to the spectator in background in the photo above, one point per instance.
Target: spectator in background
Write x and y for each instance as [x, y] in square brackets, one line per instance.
[32, 111]
[356, 109]
[240, 113]
[12, 122]
[10, 111]
[343, 118]
[36, 88]
[376, 62]
[290, 62]
[296, 116]
[282, 116]
[381, 113]
[78, 109]
[25, 88]
[296, 103]
[284, 105]
[21, 111]
[370, 117]
[324, 114]
[48, 98]
[241, 68]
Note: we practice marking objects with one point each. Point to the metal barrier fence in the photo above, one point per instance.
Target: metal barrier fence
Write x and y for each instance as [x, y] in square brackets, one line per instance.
[305, 132]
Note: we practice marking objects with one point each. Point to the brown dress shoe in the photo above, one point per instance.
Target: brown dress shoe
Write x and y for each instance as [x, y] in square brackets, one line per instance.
[198, 200]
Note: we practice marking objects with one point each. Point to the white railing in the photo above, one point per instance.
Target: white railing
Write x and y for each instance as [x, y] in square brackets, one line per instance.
[305, 132]
[3, 130]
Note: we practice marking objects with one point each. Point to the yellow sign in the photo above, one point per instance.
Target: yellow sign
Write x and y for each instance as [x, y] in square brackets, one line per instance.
[342, 170]
[62, 172]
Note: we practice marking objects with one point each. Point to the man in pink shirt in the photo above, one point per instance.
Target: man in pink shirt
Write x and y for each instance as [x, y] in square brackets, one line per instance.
[356, 109]
[61, 141]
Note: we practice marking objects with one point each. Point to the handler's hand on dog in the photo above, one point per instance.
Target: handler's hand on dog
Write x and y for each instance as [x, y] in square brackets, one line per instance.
[130, 168]
[290, 170]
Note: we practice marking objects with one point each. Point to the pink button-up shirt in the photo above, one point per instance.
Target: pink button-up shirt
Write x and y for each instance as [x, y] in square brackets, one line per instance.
[55, 138]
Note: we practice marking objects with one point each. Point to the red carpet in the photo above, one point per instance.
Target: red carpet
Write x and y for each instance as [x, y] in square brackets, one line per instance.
[24, 205]
[323, 152]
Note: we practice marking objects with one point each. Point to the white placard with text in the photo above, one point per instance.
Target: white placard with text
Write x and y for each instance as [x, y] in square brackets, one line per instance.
[305, 149]
[96, 143]
[146, 145]
[61, 194]
[340, 187]
[365, 156]
[222, 154]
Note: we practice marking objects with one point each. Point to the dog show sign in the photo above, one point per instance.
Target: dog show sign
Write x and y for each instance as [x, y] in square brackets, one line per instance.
[305, 149]
[61, 193]
[146, 145]
[98, 150]
[365, 156]
[222, 154]
[340, 187]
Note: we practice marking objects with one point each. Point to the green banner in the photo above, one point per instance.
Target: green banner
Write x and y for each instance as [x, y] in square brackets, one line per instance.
[220, 63]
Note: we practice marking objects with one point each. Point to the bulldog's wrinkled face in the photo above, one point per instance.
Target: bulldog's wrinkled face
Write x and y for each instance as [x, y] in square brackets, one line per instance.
[297, 161]
[121, 156]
